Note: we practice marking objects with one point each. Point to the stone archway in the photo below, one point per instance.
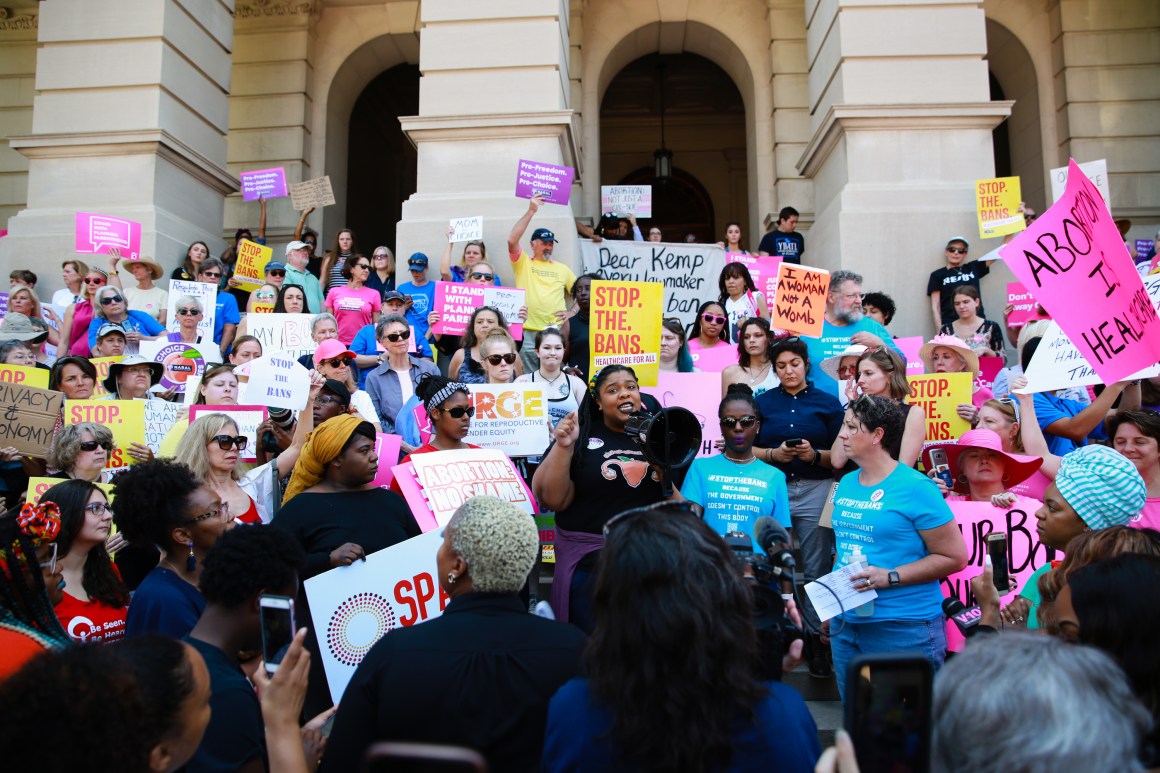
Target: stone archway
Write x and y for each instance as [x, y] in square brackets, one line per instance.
[1019, 148]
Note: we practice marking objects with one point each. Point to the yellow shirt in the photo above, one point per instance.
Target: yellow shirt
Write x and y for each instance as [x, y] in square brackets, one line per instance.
[546, 283]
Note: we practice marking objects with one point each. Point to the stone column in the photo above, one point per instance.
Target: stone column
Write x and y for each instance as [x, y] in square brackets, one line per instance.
[129, 119]
[479, 114]
[18, 76]
[901, 123]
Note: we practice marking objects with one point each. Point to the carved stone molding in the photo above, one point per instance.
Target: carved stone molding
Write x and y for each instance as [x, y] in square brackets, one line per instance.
[25, 22]
[271, 9]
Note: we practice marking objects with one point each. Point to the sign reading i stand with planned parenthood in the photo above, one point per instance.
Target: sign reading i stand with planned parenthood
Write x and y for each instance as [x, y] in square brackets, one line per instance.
[551, 181]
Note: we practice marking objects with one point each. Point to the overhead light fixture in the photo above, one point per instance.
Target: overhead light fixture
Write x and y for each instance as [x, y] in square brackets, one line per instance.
[662, 157]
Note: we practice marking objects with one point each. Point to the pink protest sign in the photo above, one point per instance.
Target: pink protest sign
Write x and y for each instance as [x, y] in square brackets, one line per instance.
[404, 478]
[1025, 306]
[910, 346]
[552, 182]
[989, 367]
[696, 392]
[1074, 262]
[387, 449]
[1025, 553]
[268, 183]
[456, 301]
[97, 234]
[423, 422]
[763, 269]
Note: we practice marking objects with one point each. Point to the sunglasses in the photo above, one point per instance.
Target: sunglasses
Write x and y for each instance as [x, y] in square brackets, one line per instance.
[221, 512]
[393, 337]
[787, 340]
[714, 319]
[213, 274]
[189, 312]
[684, 507]
[957, 250]
[380, 257]
[276, 272]
[459, 411]
[89, 446]
[111, 299]
[729, 422]
[496, 359]
[336, 362]
[1014, 406]
[50, 564]
[482, 276]
[225, 441]
[367, 266]
[94, 281]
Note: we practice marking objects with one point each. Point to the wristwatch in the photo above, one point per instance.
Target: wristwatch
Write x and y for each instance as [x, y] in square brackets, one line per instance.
[894, 580]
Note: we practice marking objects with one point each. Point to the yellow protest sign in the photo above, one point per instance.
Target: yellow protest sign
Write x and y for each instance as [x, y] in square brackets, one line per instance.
[800, 303]
[102, 365]
[37, 487]
[625, 327]
[20, 374]
[940, 395]
[125, 418]
[250, 270]
[997, 207]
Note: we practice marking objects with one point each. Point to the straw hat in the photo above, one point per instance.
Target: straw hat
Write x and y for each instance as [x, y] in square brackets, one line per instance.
[1018, 469]
[830, 364]
[145, 260]
[950, 342]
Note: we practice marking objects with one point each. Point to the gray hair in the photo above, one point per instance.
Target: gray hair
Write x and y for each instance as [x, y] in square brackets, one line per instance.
[498, 540]
[209, 263]
[387, 320]
[188, 300]
[1073, 705]
[323, 317]
[7, 347]
[66, 444]
[840, 277]
[98, 307]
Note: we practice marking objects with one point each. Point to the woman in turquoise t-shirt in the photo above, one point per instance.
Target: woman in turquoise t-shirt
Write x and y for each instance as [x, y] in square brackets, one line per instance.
[895, 517]
[734, 489]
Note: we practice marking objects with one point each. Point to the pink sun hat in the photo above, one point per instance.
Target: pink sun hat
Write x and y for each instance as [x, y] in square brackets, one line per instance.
[1018, 467]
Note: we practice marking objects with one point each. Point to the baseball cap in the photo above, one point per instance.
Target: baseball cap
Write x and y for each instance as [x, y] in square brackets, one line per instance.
[329, 349]
[338, 389]
[544, 235]
[954, 239]
[417, 260]
[106, 329]
[394, 295]
[274, 265]
[296, 246]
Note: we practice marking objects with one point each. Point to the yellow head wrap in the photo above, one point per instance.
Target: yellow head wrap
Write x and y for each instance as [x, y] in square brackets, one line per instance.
[323, 446]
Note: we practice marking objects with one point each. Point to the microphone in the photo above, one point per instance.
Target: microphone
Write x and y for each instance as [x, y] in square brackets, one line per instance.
[965, 618]
[772, 538]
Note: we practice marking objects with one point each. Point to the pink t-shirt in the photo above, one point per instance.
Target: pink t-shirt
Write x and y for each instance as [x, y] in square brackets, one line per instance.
[713, 360]
[1033, 487]
[982, 395]
[353, 309]
[1149, 517]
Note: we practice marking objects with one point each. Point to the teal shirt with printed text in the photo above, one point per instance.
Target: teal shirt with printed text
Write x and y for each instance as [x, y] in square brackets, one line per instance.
[735, 495]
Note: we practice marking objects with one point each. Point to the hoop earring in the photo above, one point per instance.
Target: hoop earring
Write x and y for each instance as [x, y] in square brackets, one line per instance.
[191, 559]
[1006, 477]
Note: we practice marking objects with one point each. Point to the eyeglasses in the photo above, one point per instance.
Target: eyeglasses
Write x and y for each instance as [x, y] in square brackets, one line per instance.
[459, 411]
[729, 422]
[276, 272]
[92, 445]
[336, 362]
[108, 300]
[482, 276]
[50, 564]
[1014, 406]
[99, 508]
[94, 281]
[221, 512]
[496, 359]
[212, 274]
[393, 337]
[327, 400]
[225, 441]
[189, 312]
[714, 319]
[684, 507]
[957, 250]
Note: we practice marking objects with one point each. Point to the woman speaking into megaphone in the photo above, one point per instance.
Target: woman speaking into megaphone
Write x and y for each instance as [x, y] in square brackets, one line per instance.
[592, 471]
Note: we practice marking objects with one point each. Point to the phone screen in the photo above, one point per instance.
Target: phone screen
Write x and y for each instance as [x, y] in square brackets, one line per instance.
[888, 712]
[997, 550]
[277, 617]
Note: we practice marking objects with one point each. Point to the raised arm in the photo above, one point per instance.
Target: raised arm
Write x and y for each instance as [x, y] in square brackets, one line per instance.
[303, 427]
[1034, 443]
[552, 484]
[1077, 428]
[521, 225]
[301, 224]
[445, 261]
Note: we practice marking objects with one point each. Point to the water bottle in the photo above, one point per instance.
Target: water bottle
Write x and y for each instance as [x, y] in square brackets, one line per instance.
[857, 557]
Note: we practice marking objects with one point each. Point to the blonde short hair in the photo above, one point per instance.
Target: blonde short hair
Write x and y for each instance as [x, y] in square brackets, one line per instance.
[498, 540]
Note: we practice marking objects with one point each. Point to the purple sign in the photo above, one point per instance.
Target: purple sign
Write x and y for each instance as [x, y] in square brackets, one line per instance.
[3, 305]
[552, 182]
[97, 234]
[270, 183]
[1143, 247]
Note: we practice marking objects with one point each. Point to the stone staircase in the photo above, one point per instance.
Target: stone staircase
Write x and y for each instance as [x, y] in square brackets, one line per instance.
[821, 697]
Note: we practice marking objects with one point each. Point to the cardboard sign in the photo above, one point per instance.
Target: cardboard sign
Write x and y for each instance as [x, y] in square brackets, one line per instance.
[278, 381]
[1074, 262]
[512, 418]
[387, 449]
[551, 181]
[1025, 553]
[910, 347]
[246, 417]
[688, 272]
[124, 418]
[940, 394]
[626, 200]
[997, 207]
[625, 327]
[22, 374]
[97, 234]
[355, 606]
[250, 270]
[28, 417]
[281, 332]
[267, 183]
[449, 478]
[457, 301]
[696, 392]
[763, 269]
[160, 416]
[800, 303]
[1024, 304]
[466, 229]
[1095, 171]
[205, 293]
[184, 364]
[311, 193]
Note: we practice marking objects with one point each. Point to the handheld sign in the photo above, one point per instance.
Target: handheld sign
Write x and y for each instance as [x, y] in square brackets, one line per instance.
[97, 234]
[456, 301]
[28, 417]
[268, 183]
[910, 347]
[102, 364]
[125, 418]
[466, 229]
[940, 394]
[250, 270]
[625, 327]
[695, 392]
[763, 269]
[311, 193]
[387, 449]
[997, 207]
[449, 478]
[180, 291]
[160, 416]
[246, 417]
[1095, 171]
[1024, 304]
[512, 418]
[551, 181]
[278, 381]
[21, 374]
[626, 199]
[800, 303]
[1074, 262]
[183, 364]
[280, 332]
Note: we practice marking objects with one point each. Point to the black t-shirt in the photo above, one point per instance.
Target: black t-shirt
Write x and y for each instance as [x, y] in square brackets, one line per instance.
[944, 280]
[236, 733]
[789, 246]
[578, 343]
[614, 476]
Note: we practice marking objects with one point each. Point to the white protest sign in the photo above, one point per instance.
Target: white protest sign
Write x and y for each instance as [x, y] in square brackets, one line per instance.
[626, 199]
[512, 418]
[1058, 364]
[288, 333]
[180, 291]
[311, 193]
[1096, 171]
[160, 416]
[246, 417]
[466, 229]
[355, 606]
[449, 478]
[689, 272]
[508, 301]
[278, 381]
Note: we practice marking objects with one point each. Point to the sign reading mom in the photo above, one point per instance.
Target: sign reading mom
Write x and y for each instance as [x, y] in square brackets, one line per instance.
[1075, 264]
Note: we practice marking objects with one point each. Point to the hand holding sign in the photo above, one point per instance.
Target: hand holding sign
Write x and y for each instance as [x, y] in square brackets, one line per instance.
[263, 183]
[278, 381]
[800, 303]
[466, 229]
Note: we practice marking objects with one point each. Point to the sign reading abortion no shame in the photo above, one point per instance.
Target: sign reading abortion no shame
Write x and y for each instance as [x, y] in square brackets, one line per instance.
[28, 417]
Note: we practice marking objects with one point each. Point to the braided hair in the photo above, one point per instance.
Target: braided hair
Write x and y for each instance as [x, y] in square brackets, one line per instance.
[24, 603]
